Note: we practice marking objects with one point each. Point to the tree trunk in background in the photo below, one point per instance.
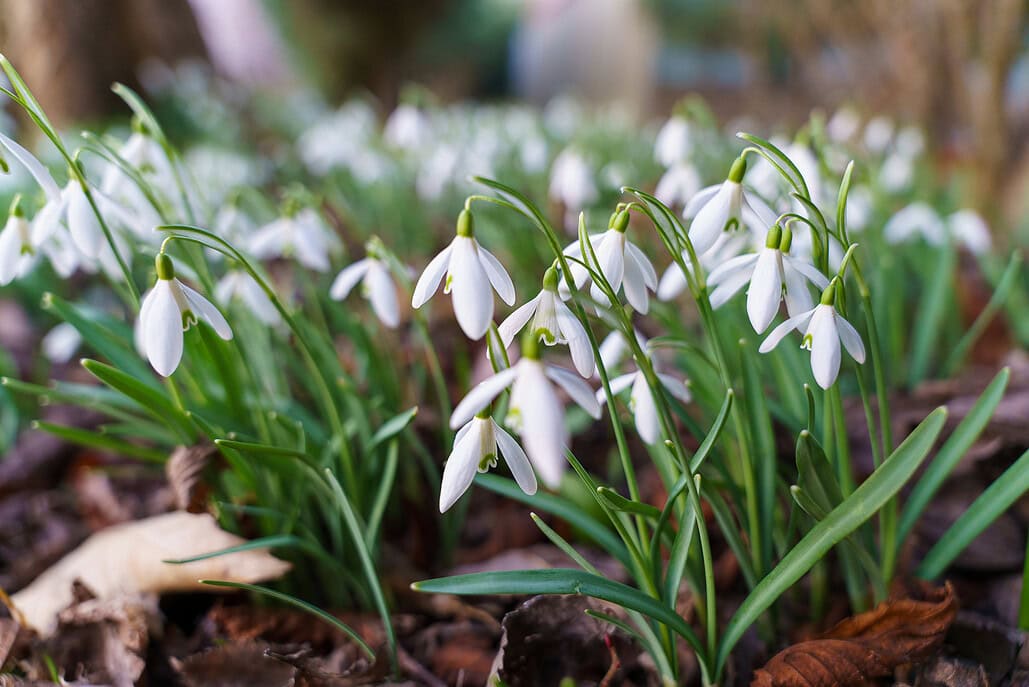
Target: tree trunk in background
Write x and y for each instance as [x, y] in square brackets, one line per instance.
[71, 51]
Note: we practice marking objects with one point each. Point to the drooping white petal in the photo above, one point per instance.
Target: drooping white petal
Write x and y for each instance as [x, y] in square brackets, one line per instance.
[809, 271]
[348, 278]
[618, 384]
[700, 200]
[578, 342]
[498, 276]
[270, 240]
[634, 284]
[428, 283]
[382, 294]
[34, 167]
[646, 267]
[311, 242]
[48, 220]
[161, 322]
[469, 285]
[82, 222]
[851, 339]
[756, 214]
[729, 286]
[611, 258]
[516, 460]
[765, 291]
[676, 387]
[673, 282]
[460, 468]
[825, 346]
[780, 332]
[711, 219]
[542, 422]
[740, 263]
[798, 295]
[517, 319]
[644, 411]
[575, 387]
[481, 394]
[256, 299]
[61, 342]
[10, 250]
[204, 309]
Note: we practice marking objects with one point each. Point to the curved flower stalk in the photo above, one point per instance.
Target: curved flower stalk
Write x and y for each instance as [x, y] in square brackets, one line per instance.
[535, 412]
[726, 207]
[237, 284]
[824, 329]
[773, 276]
[552, 320]
[472, 272]
[673, 281]
[621, 262]
[476, 448]
[168, 310]
[302, 235]
[377, 286]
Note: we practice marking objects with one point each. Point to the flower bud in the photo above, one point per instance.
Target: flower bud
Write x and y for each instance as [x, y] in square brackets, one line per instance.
[738, 169]
[465, 224]
[165, 267]
[774, 237]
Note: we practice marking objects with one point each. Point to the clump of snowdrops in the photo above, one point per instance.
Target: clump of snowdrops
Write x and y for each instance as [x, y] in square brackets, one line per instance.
[313, 446]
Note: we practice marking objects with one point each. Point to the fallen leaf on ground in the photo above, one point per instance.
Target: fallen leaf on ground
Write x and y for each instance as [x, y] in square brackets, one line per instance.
[867, 646]
[129, 559]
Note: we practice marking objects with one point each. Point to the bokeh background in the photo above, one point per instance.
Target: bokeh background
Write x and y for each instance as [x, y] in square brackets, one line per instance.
[957, 69]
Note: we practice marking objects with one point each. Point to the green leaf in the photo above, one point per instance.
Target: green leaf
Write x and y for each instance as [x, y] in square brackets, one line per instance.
[392, 427]
[303, 605]
[815, 475]
[864, 502]
[779, 160]
[140, 109]
[562, 581]
[548, 503]
[616, 501]
[950, 453]
[841, 203]
[145, 395]
[84, 437]
[990, 505]
[271, 542]
[931, 313]
[680, 551]
[261, 449]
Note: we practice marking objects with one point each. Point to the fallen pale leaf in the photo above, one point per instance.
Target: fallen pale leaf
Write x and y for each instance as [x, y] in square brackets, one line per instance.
[865, 647]
[129, 559]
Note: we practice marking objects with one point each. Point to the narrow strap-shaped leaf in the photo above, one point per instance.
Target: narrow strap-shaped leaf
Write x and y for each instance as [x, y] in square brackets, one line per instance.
[957, 444]
[146, 396]
[930, 314]
[84, 437]
[277, 540]
[562, 543]
[680, 551]
[260, 449]
[779, 160]
[864, 502]
[616, 501]
[392, 427]
[990, 505]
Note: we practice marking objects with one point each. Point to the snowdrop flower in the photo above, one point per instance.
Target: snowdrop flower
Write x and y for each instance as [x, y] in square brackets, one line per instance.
[470, 271]
[773, 276]
[535, 410]
[302, 234]
[917, 219]
[615, 347]
[407, 128]
[642, 404]
[725, 207]
[17, 250]
[240, 285]
[910, 142]
[168, 310]
[571, 184]
[680, 183]
[476, 447]
[145, 154]
[673, 281]
[376, 286]
[621, 262]
[968, 228]
[824, 329]
[673, 142]
[60, 343]
[878, 133]
[843, 125]
[553, 323]
[896, 173]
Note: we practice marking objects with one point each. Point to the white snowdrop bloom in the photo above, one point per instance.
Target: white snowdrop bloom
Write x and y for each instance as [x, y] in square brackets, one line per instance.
[823, 329]
[642, 404]
[302, 235]
[238, 284]
[145, 154]
[232, 224]
[677, 185]
[916, 219]
[476, 448]
[773, 276]
[532, 153]
[614, 348]
[553, 322]
[896, 173]
[17, 250]
[621, 262]
[910, 142]
[726, 207]
[843, 125]
[437, 171]
[470, 271]
[376, 285]
[674, 142]
[878, 133]
[968, 228]
[859, 208]
[60, 343]
[673, 281]
[168, 310]
[571, 181]
[407, 128]
[807, 164]
[534, 411]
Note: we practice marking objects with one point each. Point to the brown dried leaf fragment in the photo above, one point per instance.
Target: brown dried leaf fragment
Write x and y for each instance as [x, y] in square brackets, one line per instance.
[185, 471]
[865, 647]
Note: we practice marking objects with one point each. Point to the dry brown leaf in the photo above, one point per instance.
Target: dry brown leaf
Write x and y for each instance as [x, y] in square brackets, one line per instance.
[867, 646]
[128, 559]
[184, 470]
